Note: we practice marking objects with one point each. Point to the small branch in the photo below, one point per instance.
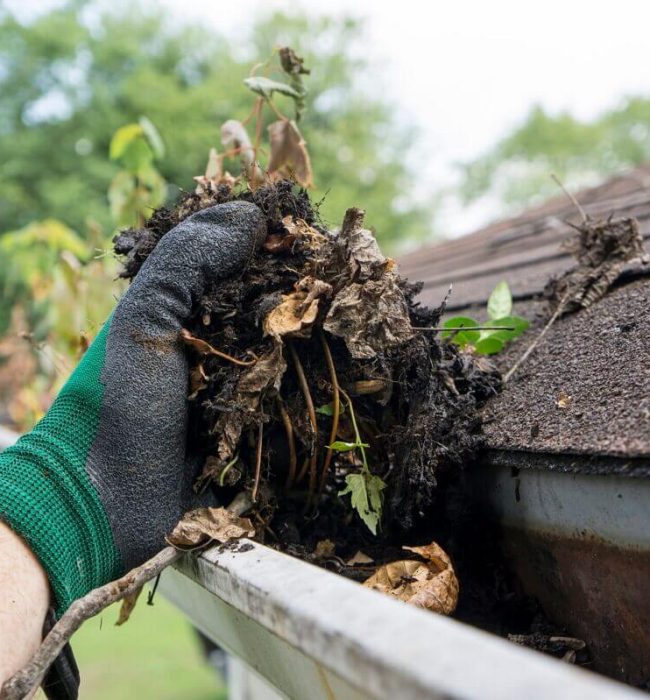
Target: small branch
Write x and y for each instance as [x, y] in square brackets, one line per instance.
[536, 341]
[205, 348]
[570, 197]
[463, 328]
[29, 678]
[288, 428]
[258, 463]
[336, 409]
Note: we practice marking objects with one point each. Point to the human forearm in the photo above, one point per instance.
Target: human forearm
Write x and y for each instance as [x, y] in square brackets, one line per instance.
[24, 602]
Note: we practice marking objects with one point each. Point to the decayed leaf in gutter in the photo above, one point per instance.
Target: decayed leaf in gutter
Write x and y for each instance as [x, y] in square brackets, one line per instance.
[289, 157]
[235, 137]
[204, 525]
[297, 311]
[431, 584]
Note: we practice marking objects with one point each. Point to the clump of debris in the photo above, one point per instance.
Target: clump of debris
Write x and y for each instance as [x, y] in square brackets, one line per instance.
[311, 388]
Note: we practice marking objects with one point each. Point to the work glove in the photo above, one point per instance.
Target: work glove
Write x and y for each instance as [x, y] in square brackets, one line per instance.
[107, 473]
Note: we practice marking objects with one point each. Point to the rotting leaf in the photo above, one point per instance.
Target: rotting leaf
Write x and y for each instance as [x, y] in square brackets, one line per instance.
[324, 549]
[235, 137]
[294, 316]
[127, 606]
[431, 584]
[369, 313]
[359, 559]
[199, 527]
[563, 400]
[289, 156]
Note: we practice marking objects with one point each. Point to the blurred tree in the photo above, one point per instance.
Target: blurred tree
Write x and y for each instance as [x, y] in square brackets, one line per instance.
[580, 153]
[75, 74]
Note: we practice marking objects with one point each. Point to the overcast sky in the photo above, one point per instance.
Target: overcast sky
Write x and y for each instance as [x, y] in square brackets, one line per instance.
[467, 71]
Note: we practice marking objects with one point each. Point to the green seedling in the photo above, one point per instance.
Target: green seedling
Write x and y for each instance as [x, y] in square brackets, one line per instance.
[490, 337]
[365, 489]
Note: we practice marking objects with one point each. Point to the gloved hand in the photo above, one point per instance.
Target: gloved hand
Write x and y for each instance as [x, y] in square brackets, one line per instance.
[101, 479]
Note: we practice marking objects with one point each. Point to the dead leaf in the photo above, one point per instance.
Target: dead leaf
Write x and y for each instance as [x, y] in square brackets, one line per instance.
[204, 525]
[563, 400]
[431, 584]
[294, 316]
[235, 137]
[198, 381]
[264, 375]
[370, 317]
[370, 313]
[127, 606]
[289, 157]
[324, 549]
[359, 558]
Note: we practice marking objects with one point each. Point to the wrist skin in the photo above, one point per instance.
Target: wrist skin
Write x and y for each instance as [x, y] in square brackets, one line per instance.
[24, 602]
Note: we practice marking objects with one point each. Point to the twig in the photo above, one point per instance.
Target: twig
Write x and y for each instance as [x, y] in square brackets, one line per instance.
[463, 328]
[336, 409]
[30, 677]
[571, 198]
[536, 341]
[258, 462]
[204, 347]
[302, 379]
[288, 428]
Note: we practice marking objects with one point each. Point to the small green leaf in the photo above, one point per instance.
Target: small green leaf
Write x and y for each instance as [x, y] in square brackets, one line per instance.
[153, 137]
[517, 323]
[328, 409]
[366, 497]
[340, 446]
[266, 87]
[461, 338]
[500, 301]
[489, 346]
[122, 138]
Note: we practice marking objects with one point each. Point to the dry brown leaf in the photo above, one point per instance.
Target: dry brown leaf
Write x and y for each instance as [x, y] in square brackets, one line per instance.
[127, 606]
[294, 316]
[204, 525]
[265, 374]
[359, 558]
[563, 400]
[324, 549]
[290, 318]
[198, 381]
[235, 137]
[431, 584]
[289, 157]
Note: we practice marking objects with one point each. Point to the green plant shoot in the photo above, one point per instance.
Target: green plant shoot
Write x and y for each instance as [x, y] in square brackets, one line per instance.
[365, 489]
[501, 327]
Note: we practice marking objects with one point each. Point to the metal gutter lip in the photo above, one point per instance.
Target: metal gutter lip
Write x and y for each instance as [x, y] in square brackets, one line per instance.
[313, 634]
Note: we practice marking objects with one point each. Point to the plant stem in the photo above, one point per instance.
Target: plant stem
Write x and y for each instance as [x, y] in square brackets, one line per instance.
[288, 427]
[227, 468]
[258, 463]
[336, 408]
[302, 379]
[357, 434]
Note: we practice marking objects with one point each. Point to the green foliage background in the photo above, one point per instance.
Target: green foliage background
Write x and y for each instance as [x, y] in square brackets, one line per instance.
[580, 153]
[69, 79]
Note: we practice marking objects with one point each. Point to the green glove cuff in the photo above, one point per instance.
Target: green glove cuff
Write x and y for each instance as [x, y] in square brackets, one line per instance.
[47, 497]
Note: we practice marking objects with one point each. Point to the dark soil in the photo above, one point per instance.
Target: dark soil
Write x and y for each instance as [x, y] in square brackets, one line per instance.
[422, 422]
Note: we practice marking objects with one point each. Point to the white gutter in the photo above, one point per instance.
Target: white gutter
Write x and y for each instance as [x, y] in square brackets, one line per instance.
[315, 635]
